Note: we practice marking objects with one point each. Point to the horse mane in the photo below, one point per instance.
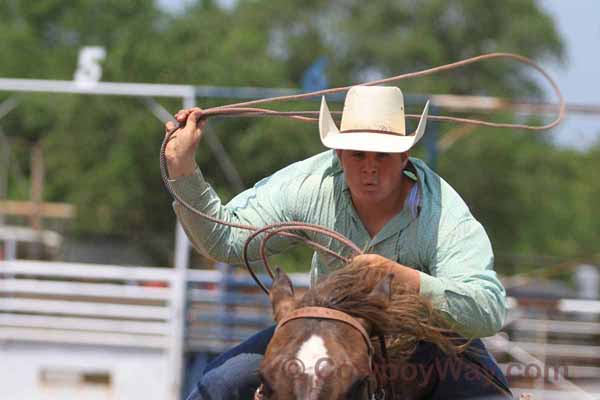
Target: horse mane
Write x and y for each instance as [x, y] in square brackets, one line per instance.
[404, 321]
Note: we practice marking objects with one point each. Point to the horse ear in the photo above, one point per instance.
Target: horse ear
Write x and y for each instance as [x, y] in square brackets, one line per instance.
[382, 292]
[282, 295]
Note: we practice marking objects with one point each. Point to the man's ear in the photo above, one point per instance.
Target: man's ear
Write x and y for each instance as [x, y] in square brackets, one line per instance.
[282, 295]
[338, 153]
[404, 156]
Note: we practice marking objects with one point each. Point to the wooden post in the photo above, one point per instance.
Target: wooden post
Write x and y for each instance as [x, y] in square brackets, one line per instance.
[37, 184]
[4, 164]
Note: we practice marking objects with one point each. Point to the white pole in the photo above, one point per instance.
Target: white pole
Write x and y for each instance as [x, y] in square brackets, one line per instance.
[10, 250]
[179, 298]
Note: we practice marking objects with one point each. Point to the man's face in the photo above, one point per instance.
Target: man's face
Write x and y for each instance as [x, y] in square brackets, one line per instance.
[373, 177]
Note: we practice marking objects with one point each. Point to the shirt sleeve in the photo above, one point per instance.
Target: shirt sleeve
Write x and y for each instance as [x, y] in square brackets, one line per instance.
[266, 203]
[463, 284]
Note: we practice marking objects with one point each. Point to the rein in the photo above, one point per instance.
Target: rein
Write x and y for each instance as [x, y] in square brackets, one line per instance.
[245, 109]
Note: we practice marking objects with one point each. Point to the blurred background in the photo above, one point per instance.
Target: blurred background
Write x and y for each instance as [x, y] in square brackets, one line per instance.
[95, 290]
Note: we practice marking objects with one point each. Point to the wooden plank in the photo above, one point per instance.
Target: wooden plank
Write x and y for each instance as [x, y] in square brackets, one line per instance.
[112, 272]
[85, 271]
[560, 327]
[29, 208]
[241, 279]
[574, 371]
[552, 349]
[541, 394]
[22, 234]
[77, 289]
[583, 372]
[215, 346]
[231, 319]
[216, 333]
[84, 324]
[85, 309]
[82, 338]
[579, 306]
[230, 298]
[567, 305]
[203, 276]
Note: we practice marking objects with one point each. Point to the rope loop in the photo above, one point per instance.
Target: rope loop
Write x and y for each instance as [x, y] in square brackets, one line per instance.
[287, 229]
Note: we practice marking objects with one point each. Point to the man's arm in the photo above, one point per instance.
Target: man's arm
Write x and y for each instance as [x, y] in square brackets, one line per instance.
[462, 283]
[259, 206]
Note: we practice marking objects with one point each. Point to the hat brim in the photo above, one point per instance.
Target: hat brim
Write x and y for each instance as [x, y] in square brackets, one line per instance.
[332, 138]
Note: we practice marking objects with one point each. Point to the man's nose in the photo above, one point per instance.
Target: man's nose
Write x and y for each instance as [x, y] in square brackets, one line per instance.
[370, 164]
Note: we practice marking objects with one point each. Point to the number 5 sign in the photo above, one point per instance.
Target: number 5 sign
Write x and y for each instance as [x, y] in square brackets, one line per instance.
[89, 70]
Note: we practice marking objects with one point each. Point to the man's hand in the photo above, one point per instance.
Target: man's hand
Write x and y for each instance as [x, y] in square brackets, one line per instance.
[180, 152]
[402, 273]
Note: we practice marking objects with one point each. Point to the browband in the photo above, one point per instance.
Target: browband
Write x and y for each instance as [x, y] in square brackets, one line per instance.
[328, 313]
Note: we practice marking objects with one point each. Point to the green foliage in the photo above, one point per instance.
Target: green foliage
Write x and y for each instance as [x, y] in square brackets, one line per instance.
[102, 152]
[533, 198]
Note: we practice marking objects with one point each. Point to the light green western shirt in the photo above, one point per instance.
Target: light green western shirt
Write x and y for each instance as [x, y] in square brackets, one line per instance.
[439, 237]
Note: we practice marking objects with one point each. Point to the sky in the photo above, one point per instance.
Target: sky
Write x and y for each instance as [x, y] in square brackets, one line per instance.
[578, 24]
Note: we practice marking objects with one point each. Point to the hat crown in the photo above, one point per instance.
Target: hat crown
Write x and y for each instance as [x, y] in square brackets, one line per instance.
[379, 108]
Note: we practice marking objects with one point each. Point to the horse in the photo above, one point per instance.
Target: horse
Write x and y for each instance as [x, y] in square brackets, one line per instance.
[351, 338]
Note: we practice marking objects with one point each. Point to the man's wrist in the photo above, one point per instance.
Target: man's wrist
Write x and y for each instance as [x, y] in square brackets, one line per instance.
[182, 169]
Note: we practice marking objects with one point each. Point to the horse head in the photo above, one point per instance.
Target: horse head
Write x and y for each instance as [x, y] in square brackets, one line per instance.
[318, 352]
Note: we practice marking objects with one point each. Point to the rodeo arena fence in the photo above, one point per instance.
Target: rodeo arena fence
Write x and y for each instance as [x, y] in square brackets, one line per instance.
[112, 332]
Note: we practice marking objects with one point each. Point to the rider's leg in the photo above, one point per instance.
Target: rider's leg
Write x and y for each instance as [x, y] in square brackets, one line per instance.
[234, 374]
[473, 375]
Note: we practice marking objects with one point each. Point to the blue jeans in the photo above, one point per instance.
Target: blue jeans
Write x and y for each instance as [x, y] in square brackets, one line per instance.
[234, 374]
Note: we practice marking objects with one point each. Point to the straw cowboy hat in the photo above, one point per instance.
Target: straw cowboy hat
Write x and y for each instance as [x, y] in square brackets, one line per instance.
[372, 120]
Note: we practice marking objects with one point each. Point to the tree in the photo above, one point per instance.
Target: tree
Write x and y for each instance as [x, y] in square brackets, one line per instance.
[111, 171]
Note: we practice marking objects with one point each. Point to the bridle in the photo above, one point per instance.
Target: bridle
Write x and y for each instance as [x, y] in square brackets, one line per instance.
[374, 393]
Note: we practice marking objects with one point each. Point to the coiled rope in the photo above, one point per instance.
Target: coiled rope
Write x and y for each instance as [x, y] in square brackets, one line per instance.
[287, 229]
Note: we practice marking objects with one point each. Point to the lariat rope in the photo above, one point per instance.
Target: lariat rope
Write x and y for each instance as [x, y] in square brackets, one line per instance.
[287, 229]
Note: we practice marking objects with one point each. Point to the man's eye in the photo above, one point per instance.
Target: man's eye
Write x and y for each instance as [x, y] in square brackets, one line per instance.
[383, 155]
[358, 154]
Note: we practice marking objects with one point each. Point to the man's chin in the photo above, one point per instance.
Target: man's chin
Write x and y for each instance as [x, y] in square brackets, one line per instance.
[371, 195]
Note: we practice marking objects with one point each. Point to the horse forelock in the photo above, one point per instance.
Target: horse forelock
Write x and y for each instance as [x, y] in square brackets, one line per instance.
[405, 319]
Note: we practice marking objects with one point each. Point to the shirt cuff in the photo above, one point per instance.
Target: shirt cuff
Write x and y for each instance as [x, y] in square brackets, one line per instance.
[433, 288]
[190, 187]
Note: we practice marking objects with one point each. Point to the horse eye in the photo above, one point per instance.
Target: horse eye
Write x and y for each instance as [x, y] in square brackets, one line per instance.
[357, 389]
[261, 393]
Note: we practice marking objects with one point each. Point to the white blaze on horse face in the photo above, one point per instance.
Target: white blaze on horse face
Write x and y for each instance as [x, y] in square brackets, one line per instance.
[310, 353]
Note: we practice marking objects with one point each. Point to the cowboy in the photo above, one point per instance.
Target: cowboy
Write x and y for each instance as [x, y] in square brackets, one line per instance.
[369, 189]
